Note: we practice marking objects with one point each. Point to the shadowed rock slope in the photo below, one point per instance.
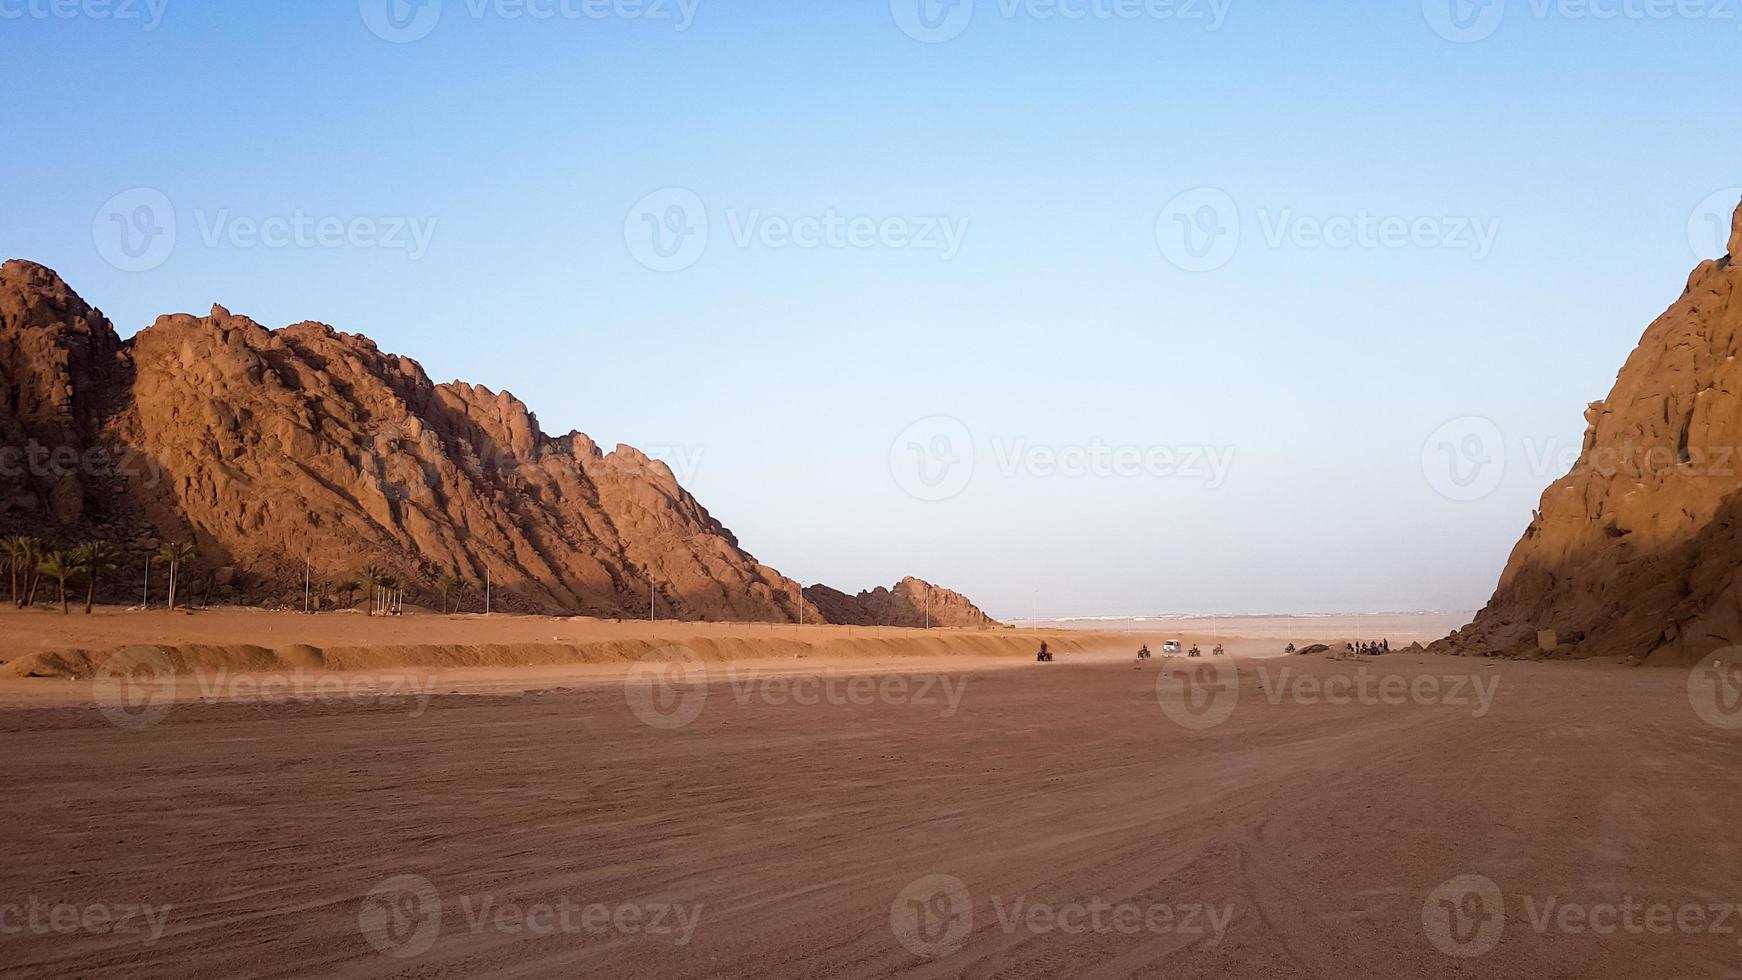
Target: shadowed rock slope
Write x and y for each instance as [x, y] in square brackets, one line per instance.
[904, 605]
[1636, 552]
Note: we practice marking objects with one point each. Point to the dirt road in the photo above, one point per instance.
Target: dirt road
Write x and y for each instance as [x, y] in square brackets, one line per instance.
[1074, 819]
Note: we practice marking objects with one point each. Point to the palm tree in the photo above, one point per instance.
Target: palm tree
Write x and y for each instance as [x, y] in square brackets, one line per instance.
[173, 555]
[348, 588]
[372, 576]
[14, 548]
[94, 558]
[456, 583]
[34, 552]
[60, 566]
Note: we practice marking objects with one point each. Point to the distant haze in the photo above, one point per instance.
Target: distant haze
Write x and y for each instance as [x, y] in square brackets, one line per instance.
[1202, 308]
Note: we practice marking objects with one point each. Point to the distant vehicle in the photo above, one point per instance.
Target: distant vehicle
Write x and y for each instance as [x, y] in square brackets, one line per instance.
[1171, 646]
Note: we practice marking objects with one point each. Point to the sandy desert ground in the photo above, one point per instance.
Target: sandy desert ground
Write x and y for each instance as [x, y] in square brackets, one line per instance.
[919, 815]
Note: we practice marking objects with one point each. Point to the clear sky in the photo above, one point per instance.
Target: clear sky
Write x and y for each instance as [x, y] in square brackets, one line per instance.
[1233, 264]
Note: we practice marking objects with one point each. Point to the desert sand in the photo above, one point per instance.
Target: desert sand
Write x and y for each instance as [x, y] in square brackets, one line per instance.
[549, 819]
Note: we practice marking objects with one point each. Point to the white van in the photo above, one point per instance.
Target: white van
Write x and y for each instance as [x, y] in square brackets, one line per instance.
[1171, 646]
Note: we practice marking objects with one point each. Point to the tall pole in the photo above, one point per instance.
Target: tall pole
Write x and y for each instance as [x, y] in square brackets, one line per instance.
[486, 590]
[305, 585]
[145, 597]
[650, 614]
[928, 607]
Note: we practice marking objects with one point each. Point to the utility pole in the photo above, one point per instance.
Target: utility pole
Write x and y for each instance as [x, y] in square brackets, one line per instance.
[928, 607]
[305, 585]
[486, 590]
[650, 614]
[145, 598]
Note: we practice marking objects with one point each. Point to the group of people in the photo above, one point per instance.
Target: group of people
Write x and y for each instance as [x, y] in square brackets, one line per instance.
[1369, 649]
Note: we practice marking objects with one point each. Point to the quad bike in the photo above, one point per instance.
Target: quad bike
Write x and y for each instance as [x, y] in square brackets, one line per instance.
[1144, 654]
[1043, 657]
[1195, 652]
[1218, 651]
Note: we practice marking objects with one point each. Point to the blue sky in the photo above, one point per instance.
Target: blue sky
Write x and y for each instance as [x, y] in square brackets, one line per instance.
[1537, 178]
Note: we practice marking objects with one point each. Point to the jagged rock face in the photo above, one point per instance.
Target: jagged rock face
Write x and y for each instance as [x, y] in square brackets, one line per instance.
[904, 605]
[1636, 552]
[59, 361]
[269, 447]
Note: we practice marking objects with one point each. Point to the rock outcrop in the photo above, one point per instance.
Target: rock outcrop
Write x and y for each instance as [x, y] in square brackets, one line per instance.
[911, 603]
[269, 448]
[1637, 552]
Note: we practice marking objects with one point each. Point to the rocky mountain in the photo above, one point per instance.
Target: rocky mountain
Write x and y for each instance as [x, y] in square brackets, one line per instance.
[269, 448]
[1637, 552]
[905, 605]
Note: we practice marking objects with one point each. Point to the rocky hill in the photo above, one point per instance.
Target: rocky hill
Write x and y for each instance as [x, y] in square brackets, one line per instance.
[905, 605]
[1636, 553]
[269, 448]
